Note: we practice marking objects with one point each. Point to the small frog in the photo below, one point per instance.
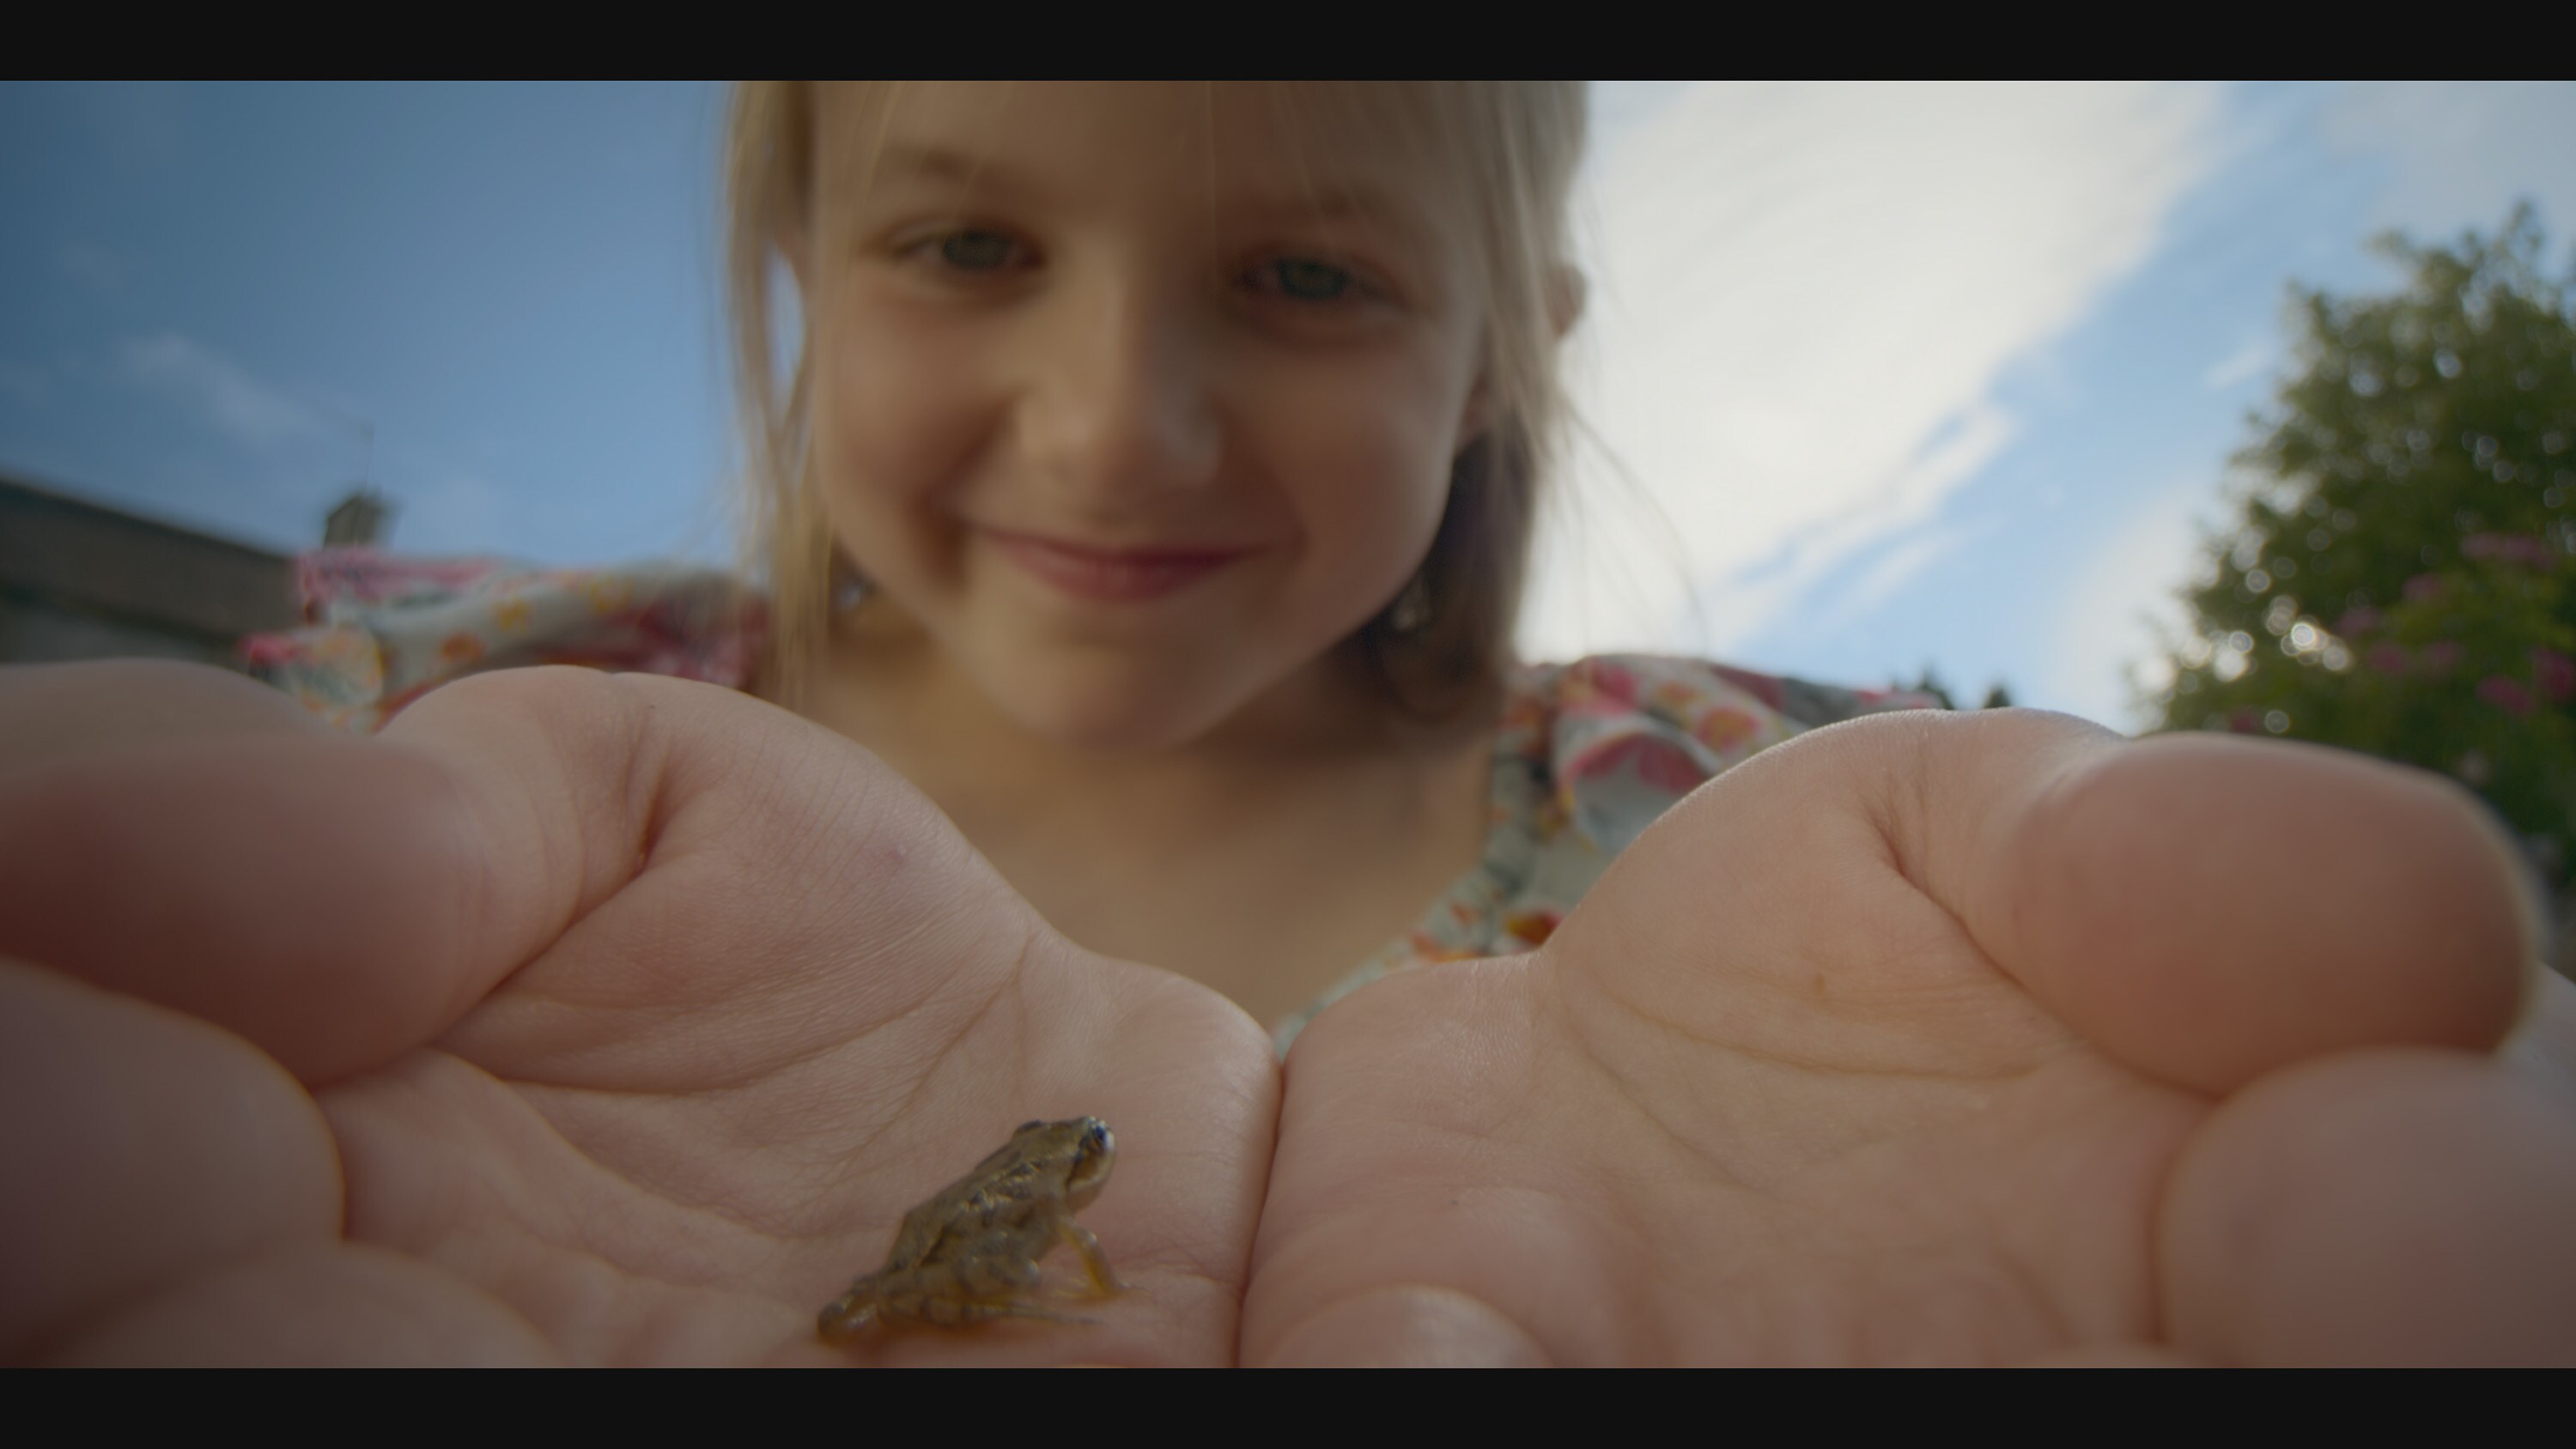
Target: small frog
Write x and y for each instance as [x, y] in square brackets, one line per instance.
[970, 1254]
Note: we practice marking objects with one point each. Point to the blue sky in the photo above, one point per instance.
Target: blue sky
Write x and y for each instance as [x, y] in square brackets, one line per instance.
[1881, 376]
[207, 293]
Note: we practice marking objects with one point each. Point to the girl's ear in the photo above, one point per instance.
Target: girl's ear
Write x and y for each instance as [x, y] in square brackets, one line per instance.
[1478, 418]
[1566, 292]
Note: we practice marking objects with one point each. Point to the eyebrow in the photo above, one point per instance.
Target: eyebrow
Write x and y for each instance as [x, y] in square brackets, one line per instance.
[1343, 201]
[1328, 201]
[1409, 234]
[936, 163]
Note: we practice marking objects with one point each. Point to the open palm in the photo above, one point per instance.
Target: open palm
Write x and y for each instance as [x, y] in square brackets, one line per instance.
[596, 1020]
[1954, 1040]
[640, 1014]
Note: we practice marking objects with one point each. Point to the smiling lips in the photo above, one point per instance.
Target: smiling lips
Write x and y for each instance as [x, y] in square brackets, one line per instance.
[1112, 575]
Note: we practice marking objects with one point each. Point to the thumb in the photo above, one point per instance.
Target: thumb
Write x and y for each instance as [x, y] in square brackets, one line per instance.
[2207, 909]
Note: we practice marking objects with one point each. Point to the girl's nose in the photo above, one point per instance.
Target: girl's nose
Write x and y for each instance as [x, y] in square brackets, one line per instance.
[1118, 413]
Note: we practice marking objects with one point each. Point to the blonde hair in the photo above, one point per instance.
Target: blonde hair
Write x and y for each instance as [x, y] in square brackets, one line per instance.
[1513, 145]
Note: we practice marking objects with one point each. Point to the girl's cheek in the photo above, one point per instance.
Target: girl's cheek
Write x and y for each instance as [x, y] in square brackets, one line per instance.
[901, 409]
[1373, 480]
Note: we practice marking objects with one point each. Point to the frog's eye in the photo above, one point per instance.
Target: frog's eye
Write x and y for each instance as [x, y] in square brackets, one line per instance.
[1028, 1127]
[1096, 1136]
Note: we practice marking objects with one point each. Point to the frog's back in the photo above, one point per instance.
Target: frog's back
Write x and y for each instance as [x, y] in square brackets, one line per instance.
[971, 1253]
[1001, 1196]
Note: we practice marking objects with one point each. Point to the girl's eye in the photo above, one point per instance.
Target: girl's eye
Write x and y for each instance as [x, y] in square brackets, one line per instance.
[976, 251]
[1308, 281]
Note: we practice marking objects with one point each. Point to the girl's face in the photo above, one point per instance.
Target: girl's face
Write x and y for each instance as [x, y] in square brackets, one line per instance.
[1135, 399]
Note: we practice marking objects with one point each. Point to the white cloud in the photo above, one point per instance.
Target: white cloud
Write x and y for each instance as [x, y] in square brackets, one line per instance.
[2460, 153]
[1902, 562]
[2126, 597]
[1803, 297]
[2249, 359]
[224, 393]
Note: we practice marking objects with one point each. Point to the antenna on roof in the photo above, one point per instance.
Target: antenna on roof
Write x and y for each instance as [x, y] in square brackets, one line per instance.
[359, 518]
[365, 515]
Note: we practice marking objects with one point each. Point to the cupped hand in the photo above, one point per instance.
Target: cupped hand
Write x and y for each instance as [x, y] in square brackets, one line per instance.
[1961, 1039]
[571, 1019]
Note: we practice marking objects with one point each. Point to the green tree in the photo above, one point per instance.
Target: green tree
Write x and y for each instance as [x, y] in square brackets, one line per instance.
[1997, 697]
[2399, 578]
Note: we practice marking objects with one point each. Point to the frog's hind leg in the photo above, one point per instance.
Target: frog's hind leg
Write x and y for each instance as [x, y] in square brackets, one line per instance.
[849, 1314]
[1095, 1263]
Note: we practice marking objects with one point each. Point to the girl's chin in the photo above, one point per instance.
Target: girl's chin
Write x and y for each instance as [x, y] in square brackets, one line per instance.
[1110, 710]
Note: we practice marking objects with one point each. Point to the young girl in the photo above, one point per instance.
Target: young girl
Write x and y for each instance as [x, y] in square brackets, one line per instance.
[1147, 480]
[1152, 484]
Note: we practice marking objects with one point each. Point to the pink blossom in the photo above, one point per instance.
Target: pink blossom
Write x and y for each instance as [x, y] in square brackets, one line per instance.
[2357, 621]
[365, 575]
[267, 650]
[1610, 681]
[2526, 549]
[2554, 672]
[2387, 658]
[2505, 694]
[1660, 763]
[2442, 655]
[2424, 586]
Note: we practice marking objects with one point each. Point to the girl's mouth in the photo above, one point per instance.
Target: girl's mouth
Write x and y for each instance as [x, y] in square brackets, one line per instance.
[1113, 576]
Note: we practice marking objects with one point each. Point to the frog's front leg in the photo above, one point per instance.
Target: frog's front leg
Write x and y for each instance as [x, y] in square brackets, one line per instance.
[1095, 1263]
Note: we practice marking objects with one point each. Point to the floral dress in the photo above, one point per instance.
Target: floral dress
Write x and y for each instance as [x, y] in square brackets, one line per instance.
[1589, 753]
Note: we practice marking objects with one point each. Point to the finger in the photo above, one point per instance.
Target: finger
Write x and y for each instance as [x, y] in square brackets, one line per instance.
[312, 895]
[2202, 909]
[2395, 1207]
[338, 901]
[184, 834]
[141, 1146]
[49, 711]
[2206, 909]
